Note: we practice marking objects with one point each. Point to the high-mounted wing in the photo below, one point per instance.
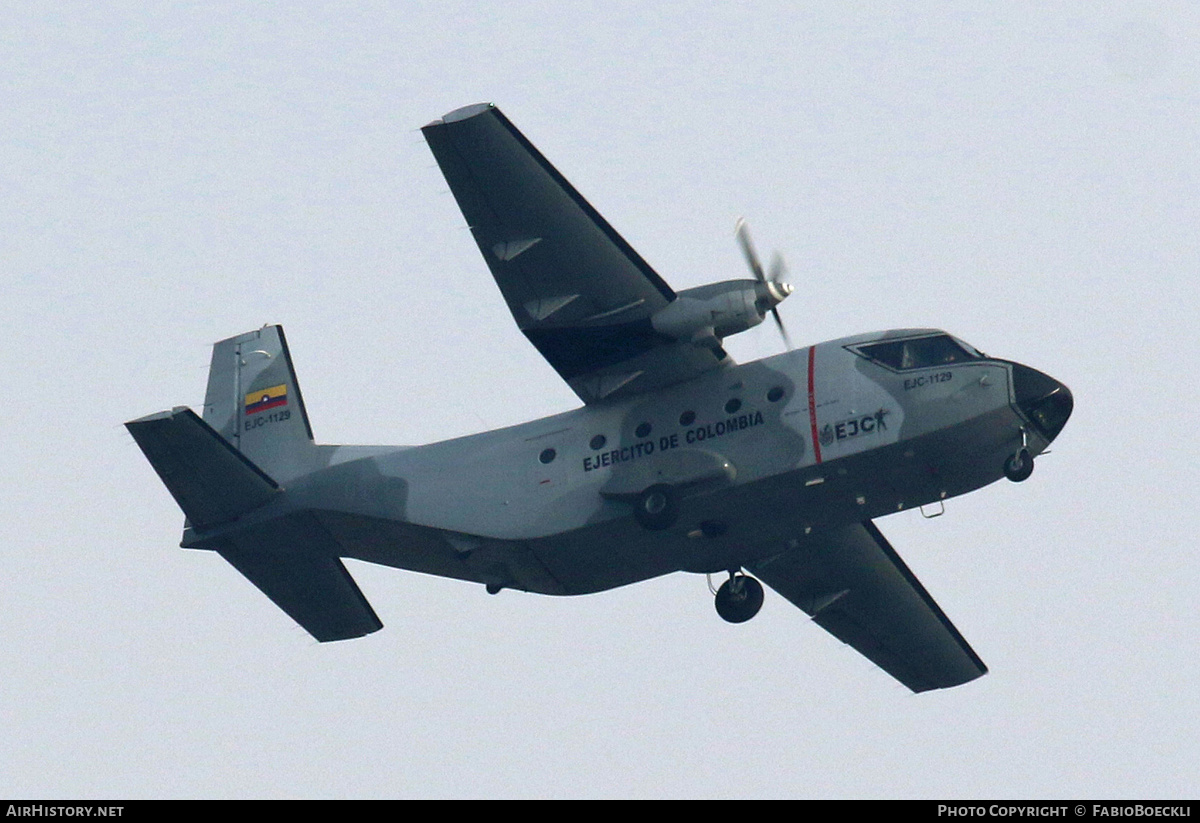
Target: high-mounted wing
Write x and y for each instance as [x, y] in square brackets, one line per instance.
[855, 586]
[577, 290]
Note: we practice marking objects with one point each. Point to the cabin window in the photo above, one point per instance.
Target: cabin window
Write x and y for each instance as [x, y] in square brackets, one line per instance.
[642, 430]
[597, 442]
[687, 418]
[547, 455]
[775, 394]
[733, 405]
[920, 353]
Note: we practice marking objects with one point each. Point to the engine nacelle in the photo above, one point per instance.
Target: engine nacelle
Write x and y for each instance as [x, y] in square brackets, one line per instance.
[707, 314]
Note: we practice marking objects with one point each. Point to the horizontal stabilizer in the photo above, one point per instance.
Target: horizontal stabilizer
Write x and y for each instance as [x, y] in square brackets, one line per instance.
[294, 562]
[210, 480]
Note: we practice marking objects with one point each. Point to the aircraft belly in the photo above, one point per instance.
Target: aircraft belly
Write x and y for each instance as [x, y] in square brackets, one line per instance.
[431, 551]
[609, 555]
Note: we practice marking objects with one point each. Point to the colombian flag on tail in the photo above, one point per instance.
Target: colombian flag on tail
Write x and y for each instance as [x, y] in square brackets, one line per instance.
[269, 398]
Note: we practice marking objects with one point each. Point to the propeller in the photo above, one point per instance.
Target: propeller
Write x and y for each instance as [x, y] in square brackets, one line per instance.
[775, 289]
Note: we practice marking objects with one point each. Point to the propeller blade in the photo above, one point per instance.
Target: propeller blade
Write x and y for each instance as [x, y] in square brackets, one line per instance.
[778, 268]
[743, 236]
[787, 340]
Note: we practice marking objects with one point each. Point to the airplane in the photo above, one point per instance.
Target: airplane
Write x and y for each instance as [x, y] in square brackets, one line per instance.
[679, 459]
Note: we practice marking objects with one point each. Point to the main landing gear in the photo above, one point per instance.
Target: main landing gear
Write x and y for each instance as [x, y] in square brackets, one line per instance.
[657, 508]
[739, 598]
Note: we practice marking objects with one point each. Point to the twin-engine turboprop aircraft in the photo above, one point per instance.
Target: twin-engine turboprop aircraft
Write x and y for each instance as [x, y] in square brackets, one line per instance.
[680, 459]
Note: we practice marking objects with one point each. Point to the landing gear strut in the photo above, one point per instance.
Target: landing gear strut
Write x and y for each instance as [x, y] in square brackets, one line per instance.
[739, 598]
[1019, 466]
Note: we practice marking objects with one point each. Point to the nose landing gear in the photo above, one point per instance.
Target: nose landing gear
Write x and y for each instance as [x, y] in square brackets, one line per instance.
[1019, 466]
[739, 598]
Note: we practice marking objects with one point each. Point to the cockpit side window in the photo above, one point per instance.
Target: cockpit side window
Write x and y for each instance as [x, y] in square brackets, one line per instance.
[919, 353]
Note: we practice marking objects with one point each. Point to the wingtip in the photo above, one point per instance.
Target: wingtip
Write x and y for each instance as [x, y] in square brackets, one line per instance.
[463, 113]
[157, 416]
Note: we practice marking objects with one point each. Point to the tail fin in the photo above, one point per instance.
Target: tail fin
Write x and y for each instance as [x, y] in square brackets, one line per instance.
[254, 402]
[225, 466]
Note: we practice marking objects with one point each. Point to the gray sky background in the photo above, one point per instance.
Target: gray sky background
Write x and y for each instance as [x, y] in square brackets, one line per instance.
[1024, 175]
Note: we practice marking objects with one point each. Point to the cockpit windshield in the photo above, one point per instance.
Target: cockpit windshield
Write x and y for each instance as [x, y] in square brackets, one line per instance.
[918, 353]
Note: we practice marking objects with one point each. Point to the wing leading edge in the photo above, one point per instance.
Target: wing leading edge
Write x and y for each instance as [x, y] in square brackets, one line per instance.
[578, 291]
[854, 585]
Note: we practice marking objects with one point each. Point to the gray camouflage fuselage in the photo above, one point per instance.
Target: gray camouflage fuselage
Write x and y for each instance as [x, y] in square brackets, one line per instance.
[487, 508]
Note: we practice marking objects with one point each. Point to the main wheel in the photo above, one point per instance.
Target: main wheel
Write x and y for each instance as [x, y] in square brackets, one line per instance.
[739, 598]
[657, 507]
[1019, 466]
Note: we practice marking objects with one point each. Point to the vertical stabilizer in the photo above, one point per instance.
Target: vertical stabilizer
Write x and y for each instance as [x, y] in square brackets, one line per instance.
[254, 402]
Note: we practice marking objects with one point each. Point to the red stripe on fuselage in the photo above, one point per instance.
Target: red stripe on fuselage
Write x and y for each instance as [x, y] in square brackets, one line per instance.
[812, 405]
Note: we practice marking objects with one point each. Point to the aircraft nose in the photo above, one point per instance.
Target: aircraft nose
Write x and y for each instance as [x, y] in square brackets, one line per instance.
[1044, 401]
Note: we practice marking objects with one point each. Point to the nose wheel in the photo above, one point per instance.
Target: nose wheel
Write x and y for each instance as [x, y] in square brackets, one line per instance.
[739, 598]
[1019, 466]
